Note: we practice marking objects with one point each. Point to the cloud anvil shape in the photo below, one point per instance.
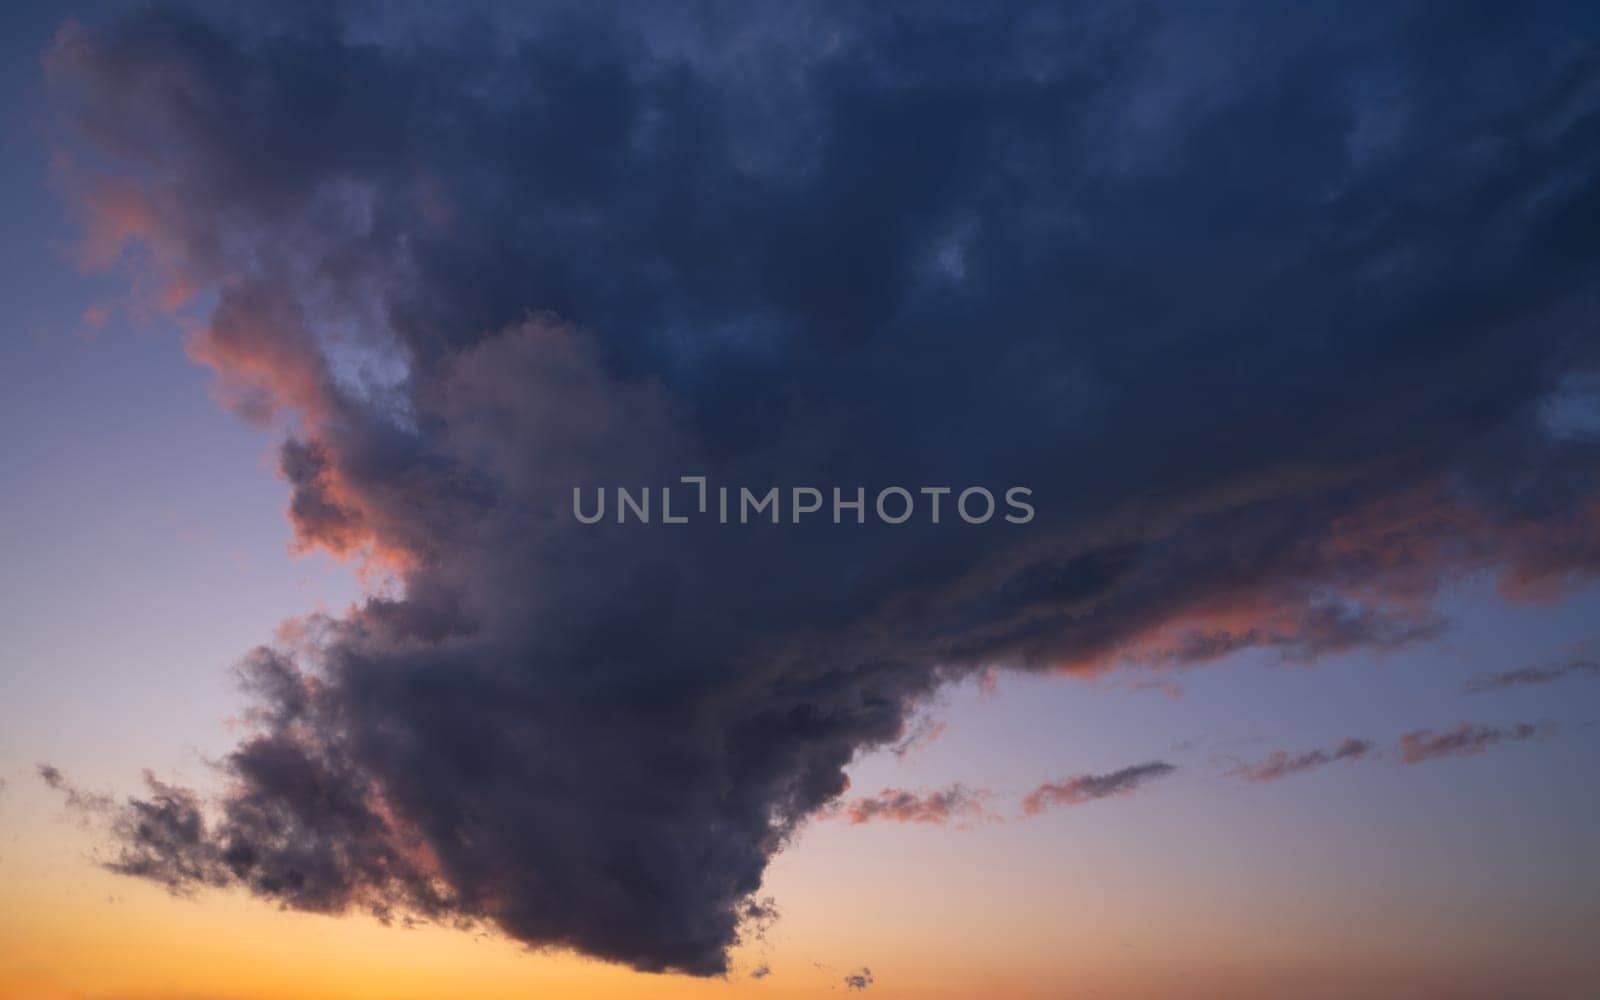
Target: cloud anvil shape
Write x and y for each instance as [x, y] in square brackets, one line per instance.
[1270, 350]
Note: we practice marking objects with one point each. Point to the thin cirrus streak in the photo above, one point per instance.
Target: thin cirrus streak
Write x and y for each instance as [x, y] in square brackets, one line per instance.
[1418, 746]
[1092, 787]
[951, 804]
[77, 798]
[1583, 664]
[1466, 740]
[1281, 764]
[920, 734]
[958, 802]
[580, 256]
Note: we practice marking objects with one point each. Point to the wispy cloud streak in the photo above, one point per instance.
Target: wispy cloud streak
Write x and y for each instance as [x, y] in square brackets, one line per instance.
[1092, 787]
[920, 734]
[1585, 664]
[77, 798]
[1465, 740]
[899, 805]
[1281, 764]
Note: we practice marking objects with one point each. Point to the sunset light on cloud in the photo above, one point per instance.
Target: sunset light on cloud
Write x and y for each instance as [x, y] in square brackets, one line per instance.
[720, 500]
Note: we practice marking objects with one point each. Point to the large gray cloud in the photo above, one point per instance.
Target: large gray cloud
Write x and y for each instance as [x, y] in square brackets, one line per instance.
[1268, 306]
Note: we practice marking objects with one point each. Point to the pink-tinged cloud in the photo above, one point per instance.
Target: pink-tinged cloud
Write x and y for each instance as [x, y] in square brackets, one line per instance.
[1466, 740]
[1281, 765]
[1371, 581]
[1092, 787]
[900, 805]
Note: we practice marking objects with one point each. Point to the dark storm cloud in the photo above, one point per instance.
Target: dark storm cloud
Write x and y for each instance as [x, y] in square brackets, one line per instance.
[1465, 740]
[1582, 664]
[1280, 764]
[1266, 303]
[1092, 787]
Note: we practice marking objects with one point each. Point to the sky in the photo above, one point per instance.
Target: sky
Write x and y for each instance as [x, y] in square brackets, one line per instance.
[315, 317]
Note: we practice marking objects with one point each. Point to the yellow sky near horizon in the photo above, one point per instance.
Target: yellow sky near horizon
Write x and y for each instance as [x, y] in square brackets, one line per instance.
[71, 931]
